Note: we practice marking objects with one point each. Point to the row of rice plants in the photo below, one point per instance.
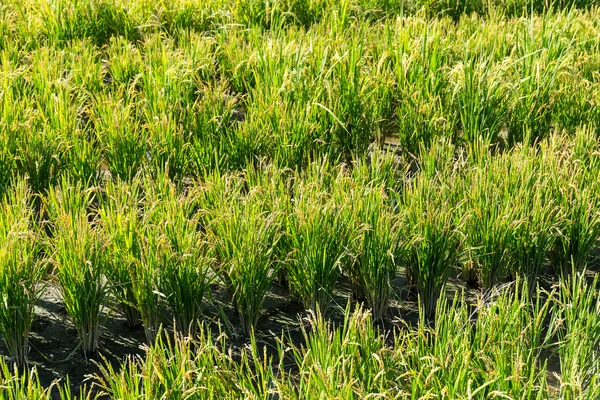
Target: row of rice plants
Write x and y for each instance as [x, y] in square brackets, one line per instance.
[99, 20]
[530, 208]
[189, 105]
[158, 247]
[502, 350]
[153, 248]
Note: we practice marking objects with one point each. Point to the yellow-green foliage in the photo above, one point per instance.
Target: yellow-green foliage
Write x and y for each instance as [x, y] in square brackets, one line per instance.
[180, 157]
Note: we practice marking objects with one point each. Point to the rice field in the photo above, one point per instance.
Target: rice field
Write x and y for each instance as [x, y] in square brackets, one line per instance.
[299, 199]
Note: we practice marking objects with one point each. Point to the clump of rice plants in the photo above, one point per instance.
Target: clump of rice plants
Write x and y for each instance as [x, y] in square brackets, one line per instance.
[490, 222]
[579, 227]
[577, 320]
[492, 352]
[434, 244]
[121, 227]
[533, 99]
[376, 248]
[318, 235]
[122, 139]
[498, 354]
[145, 277]
[329, 361]
[21, 272]
[79, 259]
[15, 384]
[574, 185]
[527, 207]
[272, 185]
[189, 368]
[537, 212]
[515, 315]
[172, 369]
[204, 367]
[185, 278]
[245, 238]
[422, 115]
[481, 101]
[185, 275]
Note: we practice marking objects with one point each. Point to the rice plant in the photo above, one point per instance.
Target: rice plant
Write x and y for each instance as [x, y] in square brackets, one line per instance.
[21, 272]
[516, 315]
[123, 143]
[182, 368]
[16, 384]
[185, 275]
[376, 249]
[421, 117]
[245, 238]
[119, 213]
[578, 325]
[535, 235]
[574, 186]
[272, 185]
[80, 262]
[319, 237]
[481, 101]
[185, 280]
[531, 113]
[433, 247]
[494, 351]
[579, 228]
[145, 274]
[329, 359]
[490, 223]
